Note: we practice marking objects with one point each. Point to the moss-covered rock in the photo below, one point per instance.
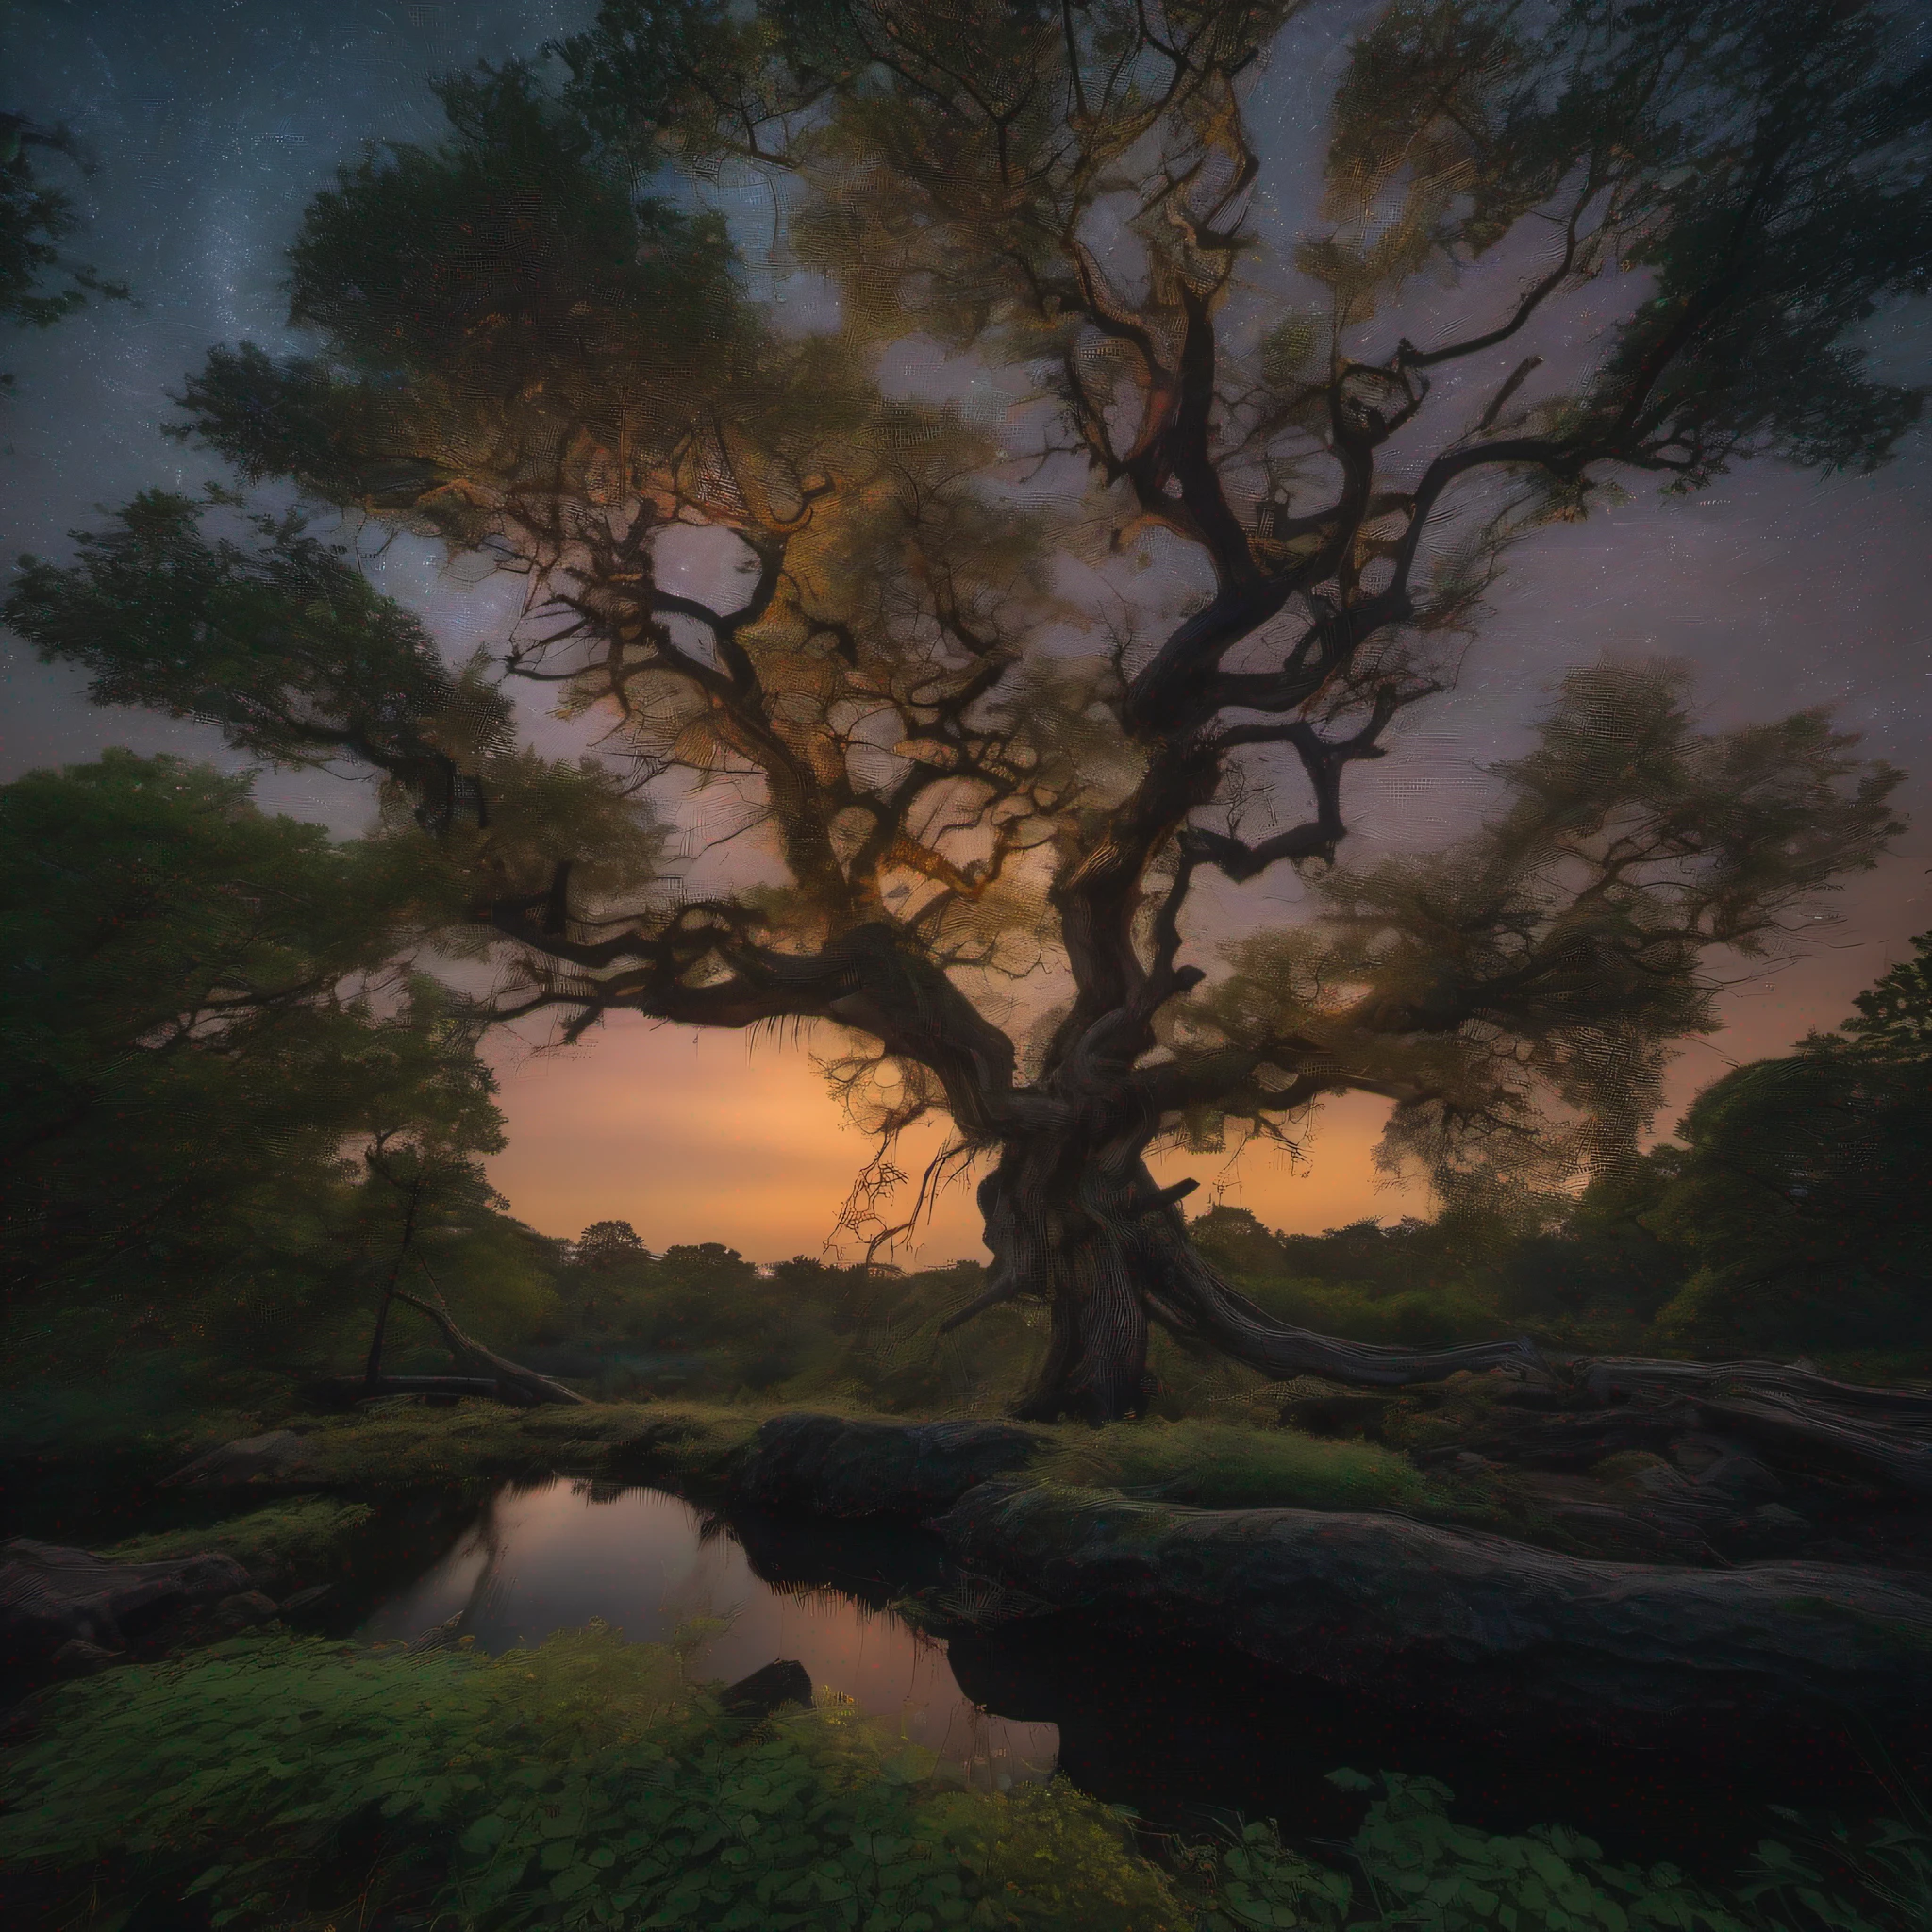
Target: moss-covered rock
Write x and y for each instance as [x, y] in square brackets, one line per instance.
[842, 1466]
[297, 1541]
[1459, 1618]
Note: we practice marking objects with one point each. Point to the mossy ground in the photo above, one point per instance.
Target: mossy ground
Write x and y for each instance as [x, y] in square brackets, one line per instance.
[1215, 1465]
[407, 1446]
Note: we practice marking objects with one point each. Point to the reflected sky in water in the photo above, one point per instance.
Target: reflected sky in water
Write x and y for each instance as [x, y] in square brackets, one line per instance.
[553, 1556]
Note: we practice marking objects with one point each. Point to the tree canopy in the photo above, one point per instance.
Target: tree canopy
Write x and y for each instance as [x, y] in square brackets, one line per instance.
[898, 657]
[209, 1017]
[1803, 1195]
[39, 285]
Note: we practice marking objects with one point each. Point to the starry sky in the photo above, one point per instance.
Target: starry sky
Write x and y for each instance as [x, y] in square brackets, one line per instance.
[214, 121]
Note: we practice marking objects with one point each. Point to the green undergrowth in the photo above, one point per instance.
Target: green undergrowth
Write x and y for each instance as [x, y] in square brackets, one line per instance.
[296, 1784]
[589, 1782]
[301, 1538]
[1215, 1465]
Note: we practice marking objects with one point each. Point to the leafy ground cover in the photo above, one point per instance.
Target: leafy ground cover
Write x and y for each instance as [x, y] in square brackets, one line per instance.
[293, 1783]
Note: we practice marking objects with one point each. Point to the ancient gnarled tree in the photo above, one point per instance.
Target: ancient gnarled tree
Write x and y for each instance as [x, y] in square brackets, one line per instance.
[976, 765]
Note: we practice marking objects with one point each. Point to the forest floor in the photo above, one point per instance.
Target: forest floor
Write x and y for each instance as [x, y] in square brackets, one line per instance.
[308, 1503]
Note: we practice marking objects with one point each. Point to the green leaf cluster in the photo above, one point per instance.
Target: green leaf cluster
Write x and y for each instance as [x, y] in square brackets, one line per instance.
[1520, 993]
[39, 283]
[207, 1004]
[1802, 1199]
[1419, 1867]
[216, 1061]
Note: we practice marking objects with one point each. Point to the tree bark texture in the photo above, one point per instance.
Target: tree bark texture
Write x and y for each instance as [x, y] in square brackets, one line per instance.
[1109, 1253]
[515, 1383]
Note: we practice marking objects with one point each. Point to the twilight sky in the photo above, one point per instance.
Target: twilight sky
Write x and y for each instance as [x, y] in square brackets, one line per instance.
[215, 120]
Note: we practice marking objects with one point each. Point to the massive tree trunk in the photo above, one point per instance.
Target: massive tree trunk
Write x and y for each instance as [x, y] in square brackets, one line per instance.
[1087, 1231]
[1099, 1241]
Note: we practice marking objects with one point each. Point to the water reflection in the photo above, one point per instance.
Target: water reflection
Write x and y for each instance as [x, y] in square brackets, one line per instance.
[553, 1556]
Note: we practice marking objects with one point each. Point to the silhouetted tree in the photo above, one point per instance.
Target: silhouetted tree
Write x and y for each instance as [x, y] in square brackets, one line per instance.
[39, 283]
[1329, 444]
[1806, 1192]
[609, 1244]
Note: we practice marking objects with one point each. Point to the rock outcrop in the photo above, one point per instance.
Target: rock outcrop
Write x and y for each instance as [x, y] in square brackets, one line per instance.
[835, 1466]
[1457, 1618]
[279, 1459]
[753, 1699]
[51, 1597]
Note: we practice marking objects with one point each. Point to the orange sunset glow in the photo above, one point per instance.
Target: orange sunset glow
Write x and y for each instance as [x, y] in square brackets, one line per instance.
[714, 1137]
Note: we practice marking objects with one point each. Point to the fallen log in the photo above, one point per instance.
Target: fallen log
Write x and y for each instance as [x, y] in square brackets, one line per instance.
[521, 1384]
[1807, 1433]
[499, 1381]
[340, 1391]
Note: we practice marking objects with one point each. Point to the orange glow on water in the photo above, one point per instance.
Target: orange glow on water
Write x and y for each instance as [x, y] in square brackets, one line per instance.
[554, 1557]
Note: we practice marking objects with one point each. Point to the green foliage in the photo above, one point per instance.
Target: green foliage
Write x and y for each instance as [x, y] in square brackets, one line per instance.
[702, 1321]
[1591, 1277]
[283, 646]
[1223, 1466]
[607, 1244]
[505, 314]
[587, 1782]
[1417, 1866]
[1791, 1216]
[304, 1537]
[591, 1782]
[276, 639]
[391, 1452]
[1573, 927]
[1893, 1020]
[1421, 1284]
[1736, 145]
[219, 1009]
[202, 1001]
[1804, 1197]
[1411, 1864]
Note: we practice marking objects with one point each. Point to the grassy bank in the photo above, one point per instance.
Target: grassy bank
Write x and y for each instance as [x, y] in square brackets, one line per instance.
[385, 1453]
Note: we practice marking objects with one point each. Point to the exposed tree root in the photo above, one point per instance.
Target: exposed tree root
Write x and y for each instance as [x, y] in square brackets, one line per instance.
[1795, 1414]
[1133, 1269]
